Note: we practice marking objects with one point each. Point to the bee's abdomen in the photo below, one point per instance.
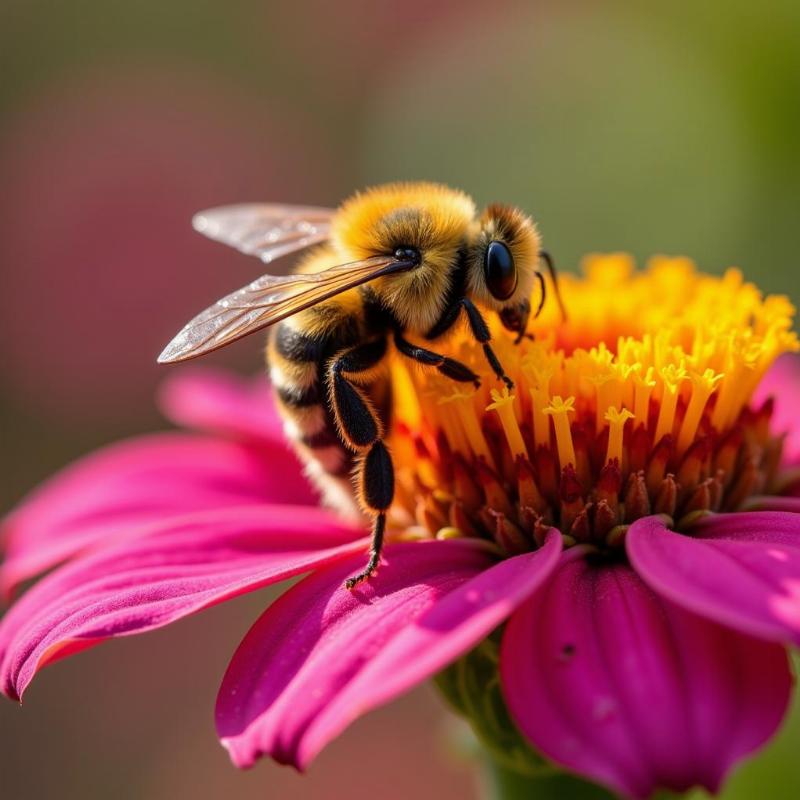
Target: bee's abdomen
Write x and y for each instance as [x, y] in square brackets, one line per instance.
[297, 362]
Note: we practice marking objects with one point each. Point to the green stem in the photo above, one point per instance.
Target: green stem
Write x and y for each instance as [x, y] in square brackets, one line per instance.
[502, 783]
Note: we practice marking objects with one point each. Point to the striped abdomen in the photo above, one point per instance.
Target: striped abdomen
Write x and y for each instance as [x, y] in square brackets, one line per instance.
[299, 353]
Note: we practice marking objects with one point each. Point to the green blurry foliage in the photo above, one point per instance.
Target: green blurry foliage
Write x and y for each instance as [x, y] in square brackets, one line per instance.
[620, 126]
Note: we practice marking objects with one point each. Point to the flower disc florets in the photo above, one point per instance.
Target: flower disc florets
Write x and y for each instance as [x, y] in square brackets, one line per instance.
[638, 403]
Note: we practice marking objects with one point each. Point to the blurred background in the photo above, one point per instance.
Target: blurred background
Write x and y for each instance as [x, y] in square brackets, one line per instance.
[619, 126]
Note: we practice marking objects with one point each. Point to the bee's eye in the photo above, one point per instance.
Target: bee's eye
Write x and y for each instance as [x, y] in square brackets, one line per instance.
[404, 253]
[500, 271]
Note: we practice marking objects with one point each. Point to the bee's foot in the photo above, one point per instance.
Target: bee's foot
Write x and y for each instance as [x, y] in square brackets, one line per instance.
[368, 573]
[507, 381]
[477, 383]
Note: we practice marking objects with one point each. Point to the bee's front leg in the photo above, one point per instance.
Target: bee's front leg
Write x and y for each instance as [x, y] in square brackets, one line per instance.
[480, 330]
[449, 367]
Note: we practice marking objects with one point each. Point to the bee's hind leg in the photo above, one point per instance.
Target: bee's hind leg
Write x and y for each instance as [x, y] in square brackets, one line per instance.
[376, 487]
[362, 431]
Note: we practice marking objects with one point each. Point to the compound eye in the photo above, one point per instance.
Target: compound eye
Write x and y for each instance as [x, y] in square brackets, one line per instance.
[500, 271]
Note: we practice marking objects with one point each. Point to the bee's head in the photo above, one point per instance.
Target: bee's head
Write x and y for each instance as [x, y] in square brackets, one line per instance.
[502, 264]
[428, 223]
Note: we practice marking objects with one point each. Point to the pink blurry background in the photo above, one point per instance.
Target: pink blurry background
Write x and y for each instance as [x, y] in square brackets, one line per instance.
[668, 130]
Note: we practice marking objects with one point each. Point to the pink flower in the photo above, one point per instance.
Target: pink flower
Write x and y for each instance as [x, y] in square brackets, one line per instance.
[660, 667]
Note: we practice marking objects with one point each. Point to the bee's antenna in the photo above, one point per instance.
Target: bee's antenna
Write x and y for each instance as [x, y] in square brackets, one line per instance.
[551, 268]
[542, 293]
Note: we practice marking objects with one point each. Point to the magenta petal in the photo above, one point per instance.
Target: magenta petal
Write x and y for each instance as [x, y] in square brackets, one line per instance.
[456, 624]
[147, 583]
[317, 639]
[628, 690]
[125, 488]
[782, 383]
[223, 403]
[741, 570]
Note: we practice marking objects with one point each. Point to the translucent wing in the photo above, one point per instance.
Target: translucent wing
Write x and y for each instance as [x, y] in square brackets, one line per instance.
[268, 300]
[265, 230]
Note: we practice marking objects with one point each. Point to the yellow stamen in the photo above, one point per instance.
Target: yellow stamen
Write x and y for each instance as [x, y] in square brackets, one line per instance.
[666, 344]
[470, 425]
[703, 386]
[616, 425]
[503, 404]
[672, 377]
[559, 410]
[644, 385]
[538, 371]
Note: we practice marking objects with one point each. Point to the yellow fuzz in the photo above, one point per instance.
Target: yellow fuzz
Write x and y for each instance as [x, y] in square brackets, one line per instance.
[432, 218]
[637, 403]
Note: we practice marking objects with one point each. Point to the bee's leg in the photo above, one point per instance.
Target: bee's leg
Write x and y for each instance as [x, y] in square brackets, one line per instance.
[362, 431]
[551, 268]
[542, 295]
[449, 367]
[480, 330]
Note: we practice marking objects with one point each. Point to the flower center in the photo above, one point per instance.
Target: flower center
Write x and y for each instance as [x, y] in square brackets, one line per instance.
[639, 403]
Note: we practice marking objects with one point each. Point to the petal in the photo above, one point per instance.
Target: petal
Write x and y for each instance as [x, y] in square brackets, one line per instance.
[741, 570]
[125, 488]
[223, 403]
[317, 639]
[456, 624]
[609, 680]
[147, 583]
[782, 383]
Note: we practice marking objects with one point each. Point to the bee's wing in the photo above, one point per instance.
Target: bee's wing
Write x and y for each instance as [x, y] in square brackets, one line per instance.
[265, 230]
[268, 300]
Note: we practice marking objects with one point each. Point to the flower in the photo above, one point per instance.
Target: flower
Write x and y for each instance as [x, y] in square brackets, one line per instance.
[630, 511]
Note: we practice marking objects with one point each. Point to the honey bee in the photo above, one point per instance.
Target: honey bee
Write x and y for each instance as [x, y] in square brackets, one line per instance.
[395, 261]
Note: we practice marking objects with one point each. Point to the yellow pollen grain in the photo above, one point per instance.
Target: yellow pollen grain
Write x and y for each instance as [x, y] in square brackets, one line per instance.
[703, 386]
[616, 425]
[503, 404]
[560, 410]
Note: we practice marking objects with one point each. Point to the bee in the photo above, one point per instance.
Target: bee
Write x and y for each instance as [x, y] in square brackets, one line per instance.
[396, 262]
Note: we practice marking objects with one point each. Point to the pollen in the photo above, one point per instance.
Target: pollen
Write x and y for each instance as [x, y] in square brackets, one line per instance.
[639, 402]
